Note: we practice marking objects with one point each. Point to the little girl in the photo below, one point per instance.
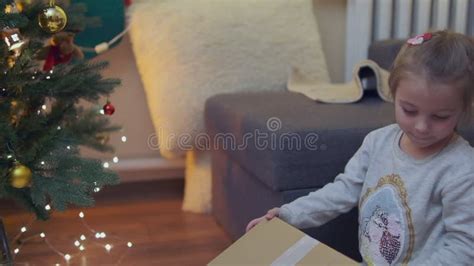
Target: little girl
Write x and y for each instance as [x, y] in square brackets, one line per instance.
[412, 181]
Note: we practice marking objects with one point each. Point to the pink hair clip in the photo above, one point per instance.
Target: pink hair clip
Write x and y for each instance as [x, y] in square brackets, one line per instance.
[419, 39]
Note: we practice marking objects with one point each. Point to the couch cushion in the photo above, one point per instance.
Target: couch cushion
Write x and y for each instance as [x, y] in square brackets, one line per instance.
[291, 142]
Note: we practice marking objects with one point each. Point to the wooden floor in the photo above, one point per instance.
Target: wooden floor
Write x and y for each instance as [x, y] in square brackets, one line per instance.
[147, 214]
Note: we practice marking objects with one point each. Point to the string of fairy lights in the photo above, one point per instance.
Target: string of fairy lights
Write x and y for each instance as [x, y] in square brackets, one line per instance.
[82, 240]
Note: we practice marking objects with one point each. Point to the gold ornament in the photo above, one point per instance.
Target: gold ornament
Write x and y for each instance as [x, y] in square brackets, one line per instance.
[52, 18]
[20, 176]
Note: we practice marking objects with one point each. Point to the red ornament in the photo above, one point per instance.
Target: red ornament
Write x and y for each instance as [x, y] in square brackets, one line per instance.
[108, 108]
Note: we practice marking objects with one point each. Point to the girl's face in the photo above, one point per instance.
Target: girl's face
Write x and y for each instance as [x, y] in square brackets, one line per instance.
[427, 113]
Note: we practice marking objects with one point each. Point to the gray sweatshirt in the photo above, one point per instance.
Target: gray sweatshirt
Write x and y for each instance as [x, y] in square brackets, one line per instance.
[410, 211]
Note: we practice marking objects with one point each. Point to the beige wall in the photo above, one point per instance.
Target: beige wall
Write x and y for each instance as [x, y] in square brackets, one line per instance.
[137, 160]
[129, 99]
[132, 110]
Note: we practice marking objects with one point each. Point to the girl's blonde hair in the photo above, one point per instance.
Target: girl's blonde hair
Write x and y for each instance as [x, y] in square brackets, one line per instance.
[446, 58]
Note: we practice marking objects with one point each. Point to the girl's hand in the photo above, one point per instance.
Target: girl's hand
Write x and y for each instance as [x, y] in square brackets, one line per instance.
[270, 215]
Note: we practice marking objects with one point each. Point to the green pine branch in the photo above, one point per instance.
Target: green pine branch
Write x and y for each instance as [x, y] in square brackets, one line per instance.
[48, 141]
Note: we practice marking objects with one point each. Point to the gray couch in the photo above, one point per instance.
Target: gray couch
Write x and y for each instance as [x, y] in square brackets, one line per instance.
[267, 171]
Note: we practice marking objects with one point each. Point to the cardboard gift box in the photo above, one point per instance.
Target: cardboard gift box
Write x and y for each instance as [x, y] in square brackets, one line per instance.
[277, 243]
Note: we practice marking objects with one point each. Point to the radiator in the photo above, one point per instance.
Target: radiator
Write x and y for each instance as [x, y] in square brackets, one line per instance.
[372, 20]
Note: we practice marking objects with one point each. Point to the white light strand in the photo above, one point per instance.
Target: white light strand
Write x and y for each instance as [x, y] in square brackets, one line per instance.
[66, 256]
[23, 229]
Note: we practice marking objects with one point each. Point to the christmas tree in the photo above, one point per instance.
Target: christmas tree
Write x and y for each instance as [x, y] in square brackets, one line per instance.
[43, 79]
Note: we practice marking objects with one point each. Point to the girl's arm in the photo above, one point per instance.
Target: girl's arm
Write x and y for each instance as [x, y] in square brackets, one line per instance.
[334, 198]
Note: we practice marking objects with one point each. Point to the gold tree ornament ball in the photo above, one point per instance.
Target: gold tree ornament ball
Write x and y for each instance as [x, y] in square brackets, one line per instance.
[52, 19]
[20, 176]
